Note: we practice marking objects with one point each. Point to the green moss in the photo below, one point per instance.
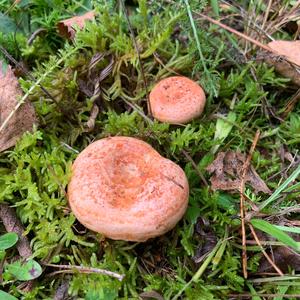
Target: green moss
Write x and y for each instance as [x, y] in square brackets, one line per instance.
[35, 173]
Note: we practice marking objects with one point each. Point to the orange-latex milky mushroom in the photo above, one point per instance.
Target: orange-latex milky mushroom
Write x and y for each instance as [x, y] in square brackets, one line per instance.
[177, 100]
[123, 188]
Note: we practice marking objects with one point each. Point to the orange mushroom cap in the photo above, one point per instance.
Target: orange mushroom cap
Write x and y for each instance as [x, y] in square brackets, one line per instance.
[123, 188]
[177, 100]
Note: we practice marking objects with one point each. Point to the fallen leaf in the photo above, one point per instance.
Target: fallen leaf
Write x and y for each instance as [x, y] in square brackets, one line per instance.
[283, 257]
[12, 224]
[67, 28]
[289, 50]
[227, 169]
[206, 238]
[23, 119]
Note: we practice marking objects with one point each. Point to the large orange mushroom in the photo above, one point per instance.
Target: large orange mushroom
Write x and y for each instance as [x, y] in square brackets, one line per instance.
[177, 100]
[123, 188]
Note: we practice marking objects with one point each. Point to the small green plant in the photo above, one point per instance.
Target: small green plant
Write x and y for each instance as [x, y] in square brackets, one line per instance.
[243, 95]
[18, 270]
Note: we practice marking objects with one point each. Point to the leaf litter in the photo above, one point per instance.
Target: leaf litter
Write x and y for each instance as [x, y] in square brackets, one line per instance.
[284, 49]
[282, 256]
[67, 28]
[227, 169]
[23, 119]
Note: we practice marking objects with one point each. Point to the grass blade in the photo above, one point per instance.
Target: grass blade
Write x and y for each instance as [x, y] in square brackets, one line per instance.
[281, 188]
[276, 233]
[288, 229]
[189, 11]
[215, 7]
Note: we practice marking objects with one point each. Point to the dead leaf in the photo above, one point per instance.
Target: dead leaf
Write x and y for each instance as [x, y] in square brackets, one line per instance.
[23, 119]
[67, 28]
[283, 257]
[206, 238]
[289, 50]
[227, 170]
[13, 224]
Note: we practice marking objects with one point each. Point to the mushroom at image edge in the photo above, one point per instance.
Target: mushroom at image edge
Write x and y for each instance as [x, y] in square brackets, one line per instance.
[123, 188]
[177, 100]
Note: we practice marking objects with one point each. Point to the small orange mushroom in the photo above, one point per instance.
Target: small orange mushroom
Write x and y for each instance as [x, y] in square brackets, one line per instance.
[123, 188]
[177, 100]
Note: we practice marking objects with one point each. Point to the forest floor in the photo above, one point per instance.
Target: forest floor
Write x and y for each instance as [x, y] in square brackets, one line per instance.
[87, 78]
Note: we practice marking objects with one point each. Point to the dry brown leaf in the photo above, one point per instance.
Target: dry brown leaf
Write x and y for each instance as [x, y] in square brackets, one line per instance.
[13, 224]
[290, 50]
[23, 119]
[67, 28]
[227, 170]
[283, 257]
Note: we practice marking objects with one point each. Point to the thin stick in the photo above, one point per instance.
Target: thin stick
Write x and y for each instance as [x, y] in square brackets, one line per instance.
[138, 110]
[88, 270]
[244, 36]
[242, 203]
[157, 58]
[189, 158]
[291, 103]
[264, 252]
[138, 54]
[266, 14]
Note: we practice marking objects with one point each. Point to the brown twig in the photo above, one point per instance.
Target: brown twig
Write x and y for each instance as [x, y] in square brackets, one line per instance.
[240, 34]
[157, 58]
[35, 35]
[88, 270]
[244, 36]
[138, 54]
[189, 158]
[242, 204]
[264, 252]
[291, 103]
[13, 224]
[267, 14]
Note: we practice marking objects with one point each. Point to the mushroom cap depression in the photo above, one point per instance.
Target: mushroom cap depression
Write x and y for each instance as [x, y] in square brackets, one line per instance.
[177, 100]
[123, 188]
